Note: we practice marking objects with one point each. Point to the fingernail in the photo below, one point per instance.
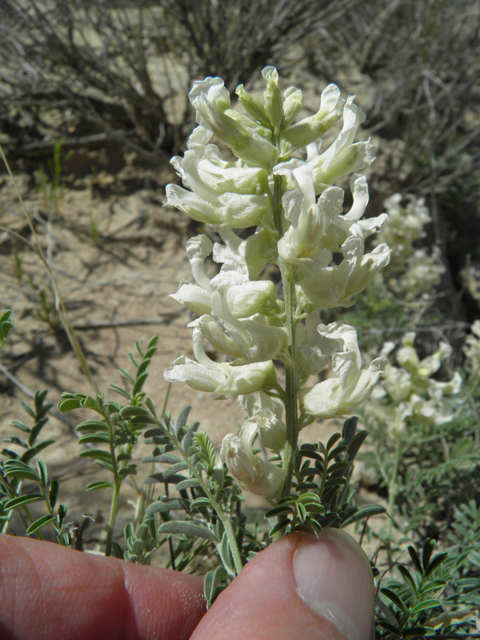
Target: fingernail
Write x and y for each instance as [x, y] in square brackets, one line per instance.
[334, 579]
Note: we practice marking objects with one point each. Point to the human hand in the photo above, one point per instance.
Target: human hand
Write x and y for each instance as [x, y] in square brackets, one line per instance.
[298, 588]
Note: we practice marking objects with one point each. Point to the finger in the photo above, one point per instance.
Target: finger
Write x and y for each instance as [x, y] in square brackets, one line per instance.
[297, 588]
[48, 591]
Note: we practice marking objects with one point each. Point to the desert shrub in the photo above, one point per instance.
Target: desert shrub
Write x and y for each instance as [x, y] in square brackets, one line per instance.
[119, 71]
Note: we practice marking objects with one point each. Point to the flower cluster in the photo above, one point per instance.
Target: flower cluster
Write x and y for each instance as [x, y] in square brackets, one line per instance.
[420, 271]
[279, 184]
[472, 349]
[409, 391]
[405, 226]
[423, 273]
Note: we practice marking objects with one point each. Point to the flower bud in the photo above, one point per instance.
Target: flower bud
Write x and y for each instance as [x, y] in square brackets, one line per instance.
[212, 103]
[292, 104]
[240, 465]
[252, 106]
[310, 129]
[273, 98]
[257, 476]
[251, 297]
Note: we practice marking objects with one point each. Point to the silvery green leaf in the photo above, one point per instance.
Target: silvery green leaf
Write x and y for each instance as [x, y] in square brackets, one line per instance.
[159, 477]
[191, 483]
[53, 492]
[187, 528]
[92, 425]
[166, 458]
[42, 472]
[200, 502]
[100, 484]
[135, 412]
[167, 504]
[182, 419]
[21, 501]
[96, 454]
[180, 466]
[227, 556]
[213, 579]
[96, 438]
[39, 523]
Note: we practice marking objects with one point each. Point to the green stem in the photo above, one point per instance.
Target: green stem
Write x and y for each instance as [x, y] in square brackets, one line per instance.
[117, 481]
[291, 400]
[290, 397]
[227, 524]
[225, 520]
[12, 493]
[112, 517]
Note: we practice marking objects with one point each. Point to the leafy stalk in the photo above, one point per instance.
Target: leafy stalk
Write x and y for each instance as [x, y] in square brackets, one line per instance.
[225, 520]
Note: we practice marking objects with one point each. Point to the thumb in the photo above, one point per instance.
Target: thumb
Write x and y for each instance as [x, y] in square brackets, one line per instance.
[300, 587]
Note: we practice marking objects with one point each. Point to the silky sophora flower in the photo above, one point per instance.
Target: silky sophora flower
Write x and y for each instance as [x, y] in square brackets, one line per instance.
[326, 285]
[415, 394]
[278, 184]
[253, 474]
[405, 225]
[221, 194]
[339, 396]
[265, 416]
[343, 156]
[472, 349]
[423, 272]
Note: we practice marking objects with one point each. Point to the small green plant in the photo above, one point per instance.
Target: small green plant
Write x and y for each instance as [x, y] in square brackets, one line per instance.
[6, 325]
[115, 431]
[93, 227]
[50, 182]
[16, 469]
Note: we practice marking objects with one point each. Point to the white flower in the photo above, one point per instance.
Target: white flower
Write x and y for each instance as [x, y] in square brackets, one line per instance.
[420, 397]
[343, 156]
[397, 382]
[223, 379]
[265, 416]
[220, 211]
[213, 111]
[312, 350]
[248, 341]
[423, 272]
[336, 397]
[310, 129]
[351, 223]
[325, 286]
[196, 297]
[309, 221]
[472, 348]
[253, 474]
[405, 226]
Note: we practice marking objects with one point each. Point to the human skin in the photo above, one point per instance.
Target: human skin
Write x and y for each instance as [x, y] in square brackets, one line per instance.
[299, 587]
